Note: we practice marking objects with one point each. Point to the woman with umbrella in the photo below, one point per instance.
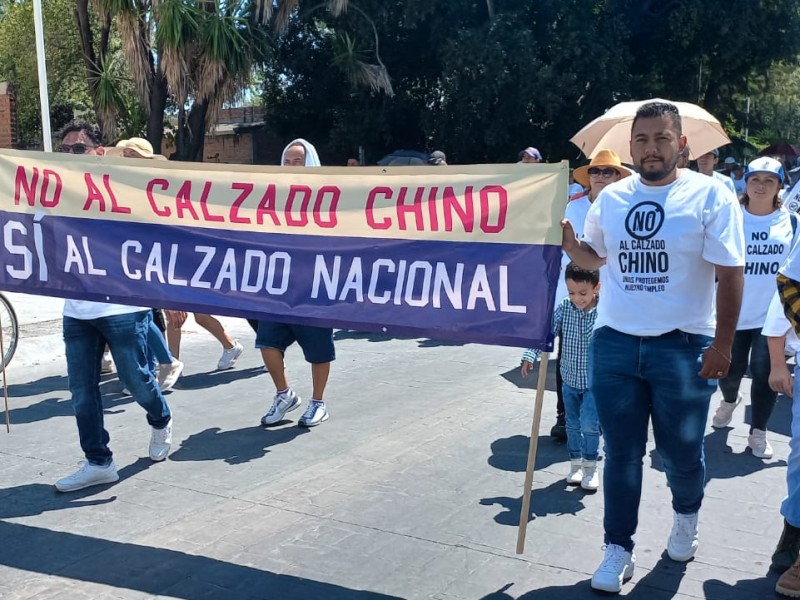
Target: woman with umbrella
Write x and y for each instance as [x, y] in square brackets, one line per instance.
[769, 232]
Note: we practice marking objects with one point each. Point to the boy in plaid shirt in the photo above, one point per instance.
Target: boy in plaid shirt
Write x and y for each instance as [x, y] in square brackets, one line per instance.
[573, 322]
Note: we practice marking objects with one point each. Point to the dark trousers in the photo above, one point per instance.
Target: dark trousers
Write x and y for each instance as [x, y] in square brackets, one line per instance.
[750, 349]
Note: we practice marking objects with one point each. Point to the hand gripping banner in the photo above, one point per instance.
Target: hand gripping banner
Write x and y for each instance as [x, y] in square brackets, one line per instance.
[457, 253]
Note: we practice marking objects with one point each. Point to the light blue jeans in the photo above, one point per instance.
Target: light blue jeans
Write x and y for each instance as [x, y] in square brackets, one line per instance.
[790, 508]
[635, 380]
[583, 428]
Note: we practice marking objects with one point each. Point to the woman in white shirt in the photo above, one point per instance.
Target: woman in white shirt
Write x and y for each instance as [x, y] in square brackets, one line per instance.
[769, 232]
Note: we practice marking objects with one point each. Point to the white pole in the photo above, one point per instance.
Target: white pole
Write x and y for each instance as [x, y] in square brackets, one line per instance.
[40, 61]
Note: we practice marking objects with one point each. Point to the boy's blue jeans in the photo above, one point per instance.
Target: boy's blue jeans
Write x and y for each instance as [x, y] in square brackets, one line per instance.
[126, 336]
[583, 428]
[636, 379]
[790, 508]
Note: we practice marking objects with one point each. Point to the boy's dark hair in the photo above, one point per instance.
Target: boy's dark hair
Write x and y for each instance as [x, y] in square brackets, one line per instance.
[656, 110]
[579, 274]
[91, 131]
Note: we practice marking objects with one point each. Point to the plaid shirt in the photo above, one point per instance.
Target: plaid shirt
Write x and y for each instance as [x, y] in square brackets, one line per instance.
[574, 327]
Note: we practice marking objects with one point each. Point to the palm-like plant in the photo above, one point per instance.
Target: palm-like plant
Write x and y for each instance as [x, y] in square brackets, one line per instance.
[202, 53]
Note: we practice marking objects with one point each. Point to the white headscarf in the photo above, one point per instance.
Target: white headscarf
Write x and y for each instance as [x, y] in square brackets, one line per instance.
[312, 158]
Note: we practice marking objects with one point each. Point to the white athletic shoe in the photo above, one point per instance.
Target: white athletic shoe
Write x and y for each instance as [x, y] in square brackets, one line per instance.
[682, 543]
[160, 442]
[616, 569]
[88, 475]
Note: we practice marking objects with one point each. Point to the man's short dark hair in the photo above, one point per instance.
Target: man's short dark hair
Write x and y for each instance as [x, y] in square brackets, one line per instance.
[657, 110]
[579, 274]
[91, 131]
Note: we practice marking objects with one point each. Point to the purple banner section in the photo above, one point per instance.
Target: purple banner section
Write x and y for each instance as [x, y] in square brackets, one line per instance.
[470, 292]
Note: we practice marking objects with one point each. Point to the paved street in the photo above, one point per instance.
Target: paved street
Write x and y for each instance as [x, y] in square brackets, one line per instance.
[411, 489]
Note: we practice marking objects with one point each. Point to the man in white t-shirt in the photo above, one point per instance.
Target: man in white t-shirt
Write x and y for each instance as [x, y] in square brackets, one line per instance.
[706, 165]
[663, 236]
[88, 327]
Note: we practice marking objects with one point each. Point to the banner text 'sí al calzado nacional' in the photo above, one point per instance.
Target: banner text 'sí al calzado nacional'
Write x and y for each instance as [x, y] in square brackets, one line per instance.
[458, 253]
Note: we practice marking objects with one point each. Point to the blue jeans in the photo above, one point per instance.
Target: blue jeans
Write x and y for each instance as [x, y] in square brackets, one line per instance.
[126, 336]
[636, 379]
[583, 428]
[158, 345]
[750, 349]
[790, 507]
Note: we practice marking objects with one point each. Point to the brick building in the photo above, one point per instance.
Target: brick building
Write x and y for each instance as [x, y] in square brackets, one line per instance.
[239, 137]
[8, 116]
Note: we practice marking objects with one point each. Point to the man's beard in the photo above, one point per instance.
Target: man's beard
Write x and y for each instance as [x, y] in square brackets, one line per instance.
[657, 175]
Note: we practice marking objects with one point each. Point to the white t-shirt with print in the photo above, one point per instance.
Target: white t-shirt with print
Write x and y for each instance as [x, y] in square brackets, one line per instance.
[661, 244]
[575, 213]
[768, 240]
[777, 325]
[85, 310]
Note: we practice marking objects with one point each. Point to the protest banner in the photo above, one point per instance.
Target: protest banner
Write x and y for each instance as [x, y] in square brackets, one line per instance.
[460, 253]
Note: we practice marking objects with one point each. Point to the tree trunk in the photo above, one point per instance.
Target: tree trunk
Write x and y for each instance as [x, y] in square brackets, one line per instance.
[191, 135]
[91, 59]
[155, 119]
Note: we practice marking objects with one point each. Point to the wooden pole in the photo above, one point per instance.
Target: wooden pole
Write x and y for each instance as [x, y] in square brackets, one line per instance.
[525, 510]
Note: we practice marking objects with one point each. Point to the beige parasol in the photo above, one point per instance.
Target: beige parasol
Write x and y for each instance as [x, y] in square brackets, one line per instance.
[613, 130]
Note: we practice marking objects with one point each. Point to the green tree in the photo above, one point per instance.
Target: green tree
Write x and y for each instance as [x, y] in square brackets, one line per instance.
[482, 80]
[66, 82]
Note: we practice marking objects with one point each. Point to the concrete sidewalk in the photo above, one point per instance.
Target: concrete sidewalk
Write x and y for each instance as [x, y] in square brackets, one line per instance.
[412, 489]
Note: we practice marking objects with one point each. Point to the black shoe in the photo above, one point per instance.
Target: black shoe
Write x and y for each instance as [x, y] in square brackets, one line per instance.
[559, 431]
[786, 553]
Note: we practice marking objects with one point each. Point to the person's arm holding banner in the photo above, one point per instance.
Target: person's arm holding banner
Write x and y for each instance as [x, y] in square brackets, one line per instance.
[579, 251]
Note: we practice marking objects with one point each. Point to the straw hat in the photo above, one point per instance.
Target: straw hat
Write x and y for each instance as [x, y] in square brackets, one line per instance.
[136, 144]
[604, 158]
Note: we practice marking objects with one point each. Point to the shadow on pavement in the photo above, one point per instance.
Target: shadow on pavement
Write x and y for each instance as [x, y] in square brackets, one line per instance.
[511, 453]
[45, 385]
[721, 462]
[744, 589]
[197, 381]
[110, 389]
[558, 498]
[514, 376]
[37, 498]
[234, 447]
[152, 570]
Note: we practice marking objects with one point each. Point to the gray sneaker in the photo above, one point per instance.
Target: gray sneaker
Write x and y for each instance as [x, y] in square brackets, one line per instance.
[282, 404]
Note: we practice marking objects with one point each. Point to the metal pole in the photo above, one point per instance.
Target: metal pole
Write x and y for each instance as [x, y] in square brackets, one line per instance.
[47, 137]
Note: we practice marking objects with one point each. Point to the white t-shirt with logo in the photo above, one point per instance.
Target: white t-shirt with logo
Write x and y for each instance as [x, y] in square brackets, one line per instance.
[768, 240]
[86, 310]
[575, 213]
[661, 244]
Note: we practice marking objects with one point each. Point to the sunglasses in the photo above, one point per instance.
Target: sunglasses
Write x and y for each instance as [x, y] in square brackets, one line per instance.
[606, 173]
[74, 148]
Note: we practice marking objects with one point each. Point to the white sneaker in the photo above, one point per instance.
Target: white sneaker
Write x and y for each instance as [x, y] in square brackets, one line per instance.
[281, 404]
[229, 356]
[168, 375]
[88, 475]
[682, 543]
[160, 442]
[575, 472]
[616, 569]
[591, 478]
[724, 414]
[315, 414]
[107, 363]
[758, 443]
